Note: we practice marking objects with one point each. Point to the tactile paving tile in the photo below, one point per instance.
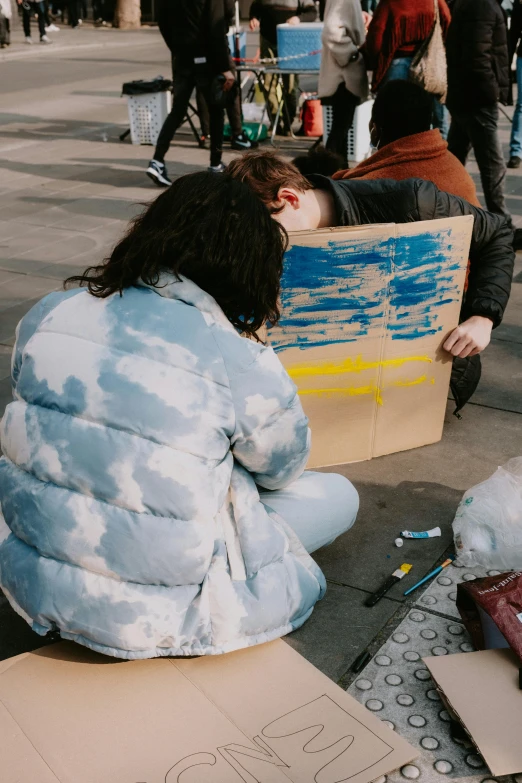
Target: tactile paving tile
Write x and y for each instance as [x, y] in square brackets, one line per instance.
[442, 592]
[397, 687]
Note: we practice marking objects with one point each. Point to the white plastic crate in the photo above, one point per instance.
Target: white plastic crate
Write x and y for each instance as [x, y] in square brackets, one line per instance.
[359, 133]
[147, 113]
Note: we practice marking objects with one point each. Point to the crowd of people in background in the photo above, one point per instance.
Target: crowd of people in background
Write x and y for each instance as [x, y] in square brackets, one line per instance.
[47, 12]
[385, 38]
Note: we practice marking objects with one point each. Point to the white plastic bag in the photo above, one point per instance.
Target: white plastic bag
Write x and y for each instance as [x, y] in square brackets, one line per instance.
[488, 524]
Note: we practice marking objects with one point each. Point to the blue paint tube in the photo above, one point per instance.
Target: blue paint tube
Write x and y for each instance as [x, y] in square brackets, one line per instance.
[422, 534]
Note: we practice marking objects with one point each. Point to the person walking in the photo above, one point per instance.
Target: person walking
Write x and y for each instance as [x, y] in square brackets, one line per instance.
[515, 46]
[239, 140]
[196, 33]
[478, 78]
[5, 23]
[265, 15]
[343, 81]
[37, 8]
[397, 29]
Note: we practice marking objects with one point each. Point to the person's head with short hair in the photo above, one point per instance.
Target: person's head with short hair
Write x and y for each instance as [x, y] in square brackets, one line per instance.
[320, 161]
[401, 108]
[211, 229]
[289, 196]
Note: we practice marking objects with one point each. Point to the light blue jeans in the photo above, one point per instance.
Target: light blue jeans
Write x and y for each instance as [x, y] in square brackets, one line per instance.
[318, 507]
[400, 69]
[515, 143]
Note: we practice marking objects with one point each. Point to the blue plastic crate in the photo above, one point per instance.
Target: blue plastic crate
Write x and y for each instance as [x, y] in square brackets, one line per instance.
[294, 39]
[242, 44]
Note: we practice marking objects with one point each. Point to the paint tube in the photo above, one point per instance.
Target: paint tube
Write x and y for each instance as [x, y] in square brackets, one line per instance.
[422, 534]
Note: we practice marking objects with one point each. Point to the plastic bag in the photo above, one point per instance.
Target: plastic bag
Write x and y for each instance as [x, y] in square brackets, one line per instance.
[488, 524]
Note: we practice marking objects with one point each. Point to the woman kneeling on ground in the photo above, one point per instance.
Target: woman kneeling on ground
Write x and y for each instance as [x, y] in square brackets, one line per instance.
[152, 486]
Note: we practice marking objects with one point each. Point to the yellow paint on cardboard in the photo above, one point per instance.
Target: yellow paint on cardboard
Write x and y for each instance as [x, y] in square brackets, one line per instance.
[356, 391]
[349, 365]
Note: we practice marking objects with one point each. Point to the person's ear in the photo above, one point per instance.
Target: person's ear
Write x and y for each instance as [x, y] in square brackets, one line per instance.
[375, 134]
[288, 196]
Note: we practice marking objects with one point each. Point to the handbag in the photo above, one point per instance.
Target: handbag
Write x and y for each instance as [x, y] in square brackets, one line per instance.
[428, 68]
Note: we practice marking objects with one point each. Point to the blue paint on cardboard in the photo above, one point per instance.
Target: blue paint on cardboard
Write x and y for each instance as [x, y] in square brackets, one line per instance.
[345, 290]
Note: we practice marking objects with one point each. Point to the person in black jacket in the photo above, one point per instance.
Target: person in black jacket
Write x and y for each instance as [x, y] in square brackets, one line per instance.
[265, 16]
[318, 202]
[196, 33]
[515, 46]
[478, 78]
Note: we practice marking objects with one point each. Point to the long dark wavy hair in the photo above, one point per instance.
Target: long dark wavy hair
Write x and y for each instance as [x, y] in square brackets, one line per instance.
[215, 231]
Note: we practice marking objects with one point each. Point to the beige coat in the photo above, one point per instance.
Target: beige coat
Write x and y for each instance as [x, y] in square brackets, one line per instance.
[343, 35]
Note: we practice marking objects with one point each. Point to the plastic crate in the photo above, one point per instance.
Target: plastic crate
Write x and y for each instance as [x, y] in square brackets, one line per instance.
[147, 113]
[299, 39]
[242, 44]
[359, 133]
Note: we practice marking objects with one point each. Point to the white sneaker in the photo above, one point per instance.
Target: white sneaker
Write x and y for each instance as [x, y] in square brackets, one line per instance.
[52, 28]
[28, 39]
[219, 169]
[80, 21]
[45, 39]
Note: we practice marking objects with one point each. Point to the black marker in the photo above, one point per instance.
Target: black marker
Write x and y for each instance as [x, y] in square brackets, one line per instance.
[388, 584]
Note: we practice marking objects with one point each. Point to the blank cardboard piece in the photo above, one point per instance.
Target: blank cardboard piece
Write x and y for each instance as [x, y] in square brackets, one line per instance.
[262, 715]
[365, 311]
[482, 689]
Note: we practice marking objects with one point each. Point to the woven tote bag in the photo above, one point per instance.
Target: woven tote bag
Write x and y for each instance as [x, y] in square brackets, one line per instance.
[428, 67]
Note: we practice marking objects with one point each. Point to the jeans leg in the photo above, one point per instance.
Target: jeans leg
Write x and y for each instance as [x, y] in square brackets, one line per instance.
[40, 13]
[399, 69]
[26, 21]
[184, 83]
[459, 142]
[515, 143]
[440, 118]
[483, 130]
[318, 507]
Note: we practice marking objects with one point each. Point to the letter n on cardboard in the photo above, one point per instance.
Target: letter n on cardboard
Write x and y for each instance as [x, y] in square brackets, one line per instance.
[364, 313]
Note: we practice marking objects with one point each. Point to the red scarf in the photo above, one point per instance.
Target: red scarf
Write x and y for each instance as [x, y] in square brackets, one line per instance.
[400, 24]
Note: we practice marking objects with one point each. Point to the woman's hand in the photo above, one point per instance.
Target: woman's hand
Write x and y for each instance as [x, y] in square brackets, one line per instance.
[254, 25]
[367, 18]
[293, 20]
[470, 337]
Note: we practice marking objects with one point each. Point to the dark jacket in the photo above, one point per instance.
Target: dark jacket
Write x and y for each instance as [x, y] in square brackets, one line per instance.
[477, 55]
[360, 202]
[273, 12]
[196, 29]
[515, 31]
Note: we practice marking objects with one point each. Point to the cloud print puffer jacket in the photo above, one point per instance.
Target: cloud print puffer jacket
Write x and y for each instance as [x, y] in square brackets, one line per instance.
[139, 429]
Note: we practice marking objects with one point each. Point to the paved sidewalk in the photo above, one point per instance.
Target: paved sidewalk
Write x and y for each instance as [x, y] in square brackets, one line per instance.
[68, 188]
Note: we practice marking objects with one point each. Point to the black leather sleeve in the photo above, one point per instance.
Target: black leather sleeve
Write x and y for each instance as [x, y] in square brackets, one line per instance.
[491, 254]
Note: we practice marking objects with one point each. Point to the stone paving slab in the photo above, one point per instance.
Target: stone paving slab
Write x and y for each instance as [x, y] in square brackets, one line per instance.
[417, 490]
[355, 626]
[441, 595]
[397, 687]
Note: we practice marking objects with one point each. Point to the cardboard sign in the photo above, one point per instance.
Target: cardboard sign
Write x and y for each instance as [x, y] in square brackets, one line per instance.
[482, 689]
[262, 715]
[365, 311]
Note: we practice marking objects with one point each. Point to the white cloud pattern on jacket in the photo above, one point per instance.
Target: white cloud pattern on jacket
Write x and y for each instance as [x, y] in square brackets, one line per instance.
[139, 428]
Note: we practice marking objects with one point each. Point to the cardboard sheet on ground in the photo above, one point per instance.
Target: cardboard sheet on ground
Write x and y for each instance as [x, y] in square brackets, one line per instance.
[482, 689]
[262, 715]
[365, 311]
